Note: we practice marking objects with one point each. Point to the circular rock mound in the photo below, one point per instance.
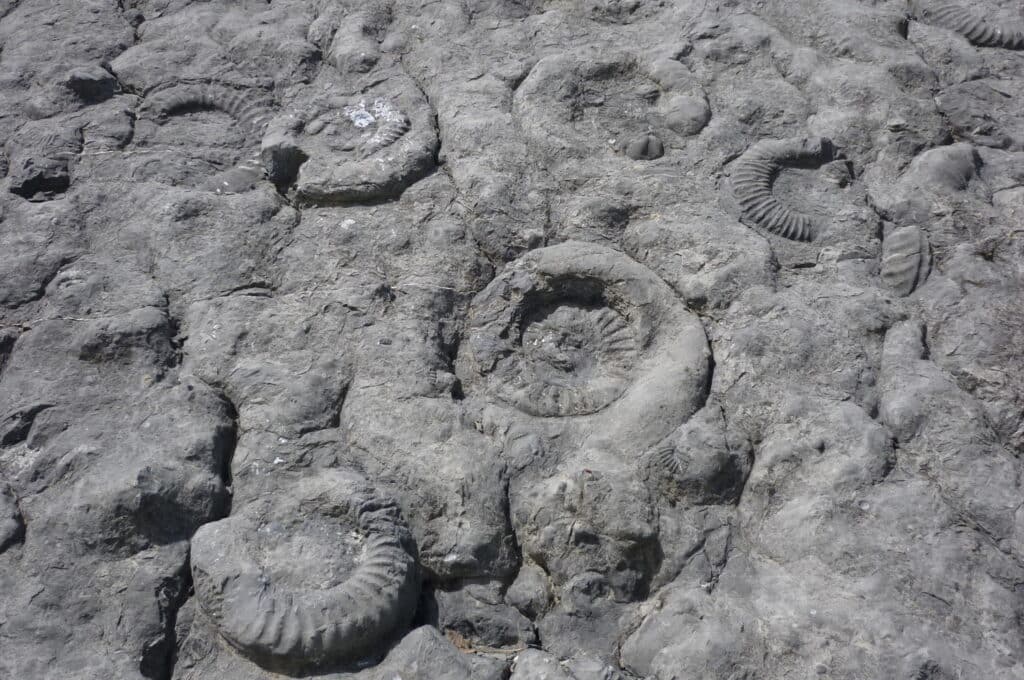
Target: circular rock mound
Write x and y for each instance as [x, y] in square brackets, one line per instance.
[569, 329]
[582, 103]
[362, 148]
[322, 575]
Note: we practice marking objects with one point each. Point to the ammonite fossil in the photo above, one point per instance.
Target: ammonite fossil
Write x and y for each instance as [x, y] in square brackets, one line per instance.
[252, 111]
[968, 22]
[321, 575]
[754, 173]
[569, 329]
[581, 103]
[905, 259]
[575, 359]
[363, 148]
[363, 127]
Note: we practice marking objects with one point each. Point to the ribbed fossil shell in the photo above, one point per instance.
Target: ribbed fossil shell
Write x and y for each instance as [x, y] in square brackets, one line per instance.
[324, 574]
[696, 465]
[754, 173]
[365, 148]
[969, 23]
[389, 124]
[574, 360]
[252, 111]
[905, 259]
[377, 125]
[666, 460]
[569, 329]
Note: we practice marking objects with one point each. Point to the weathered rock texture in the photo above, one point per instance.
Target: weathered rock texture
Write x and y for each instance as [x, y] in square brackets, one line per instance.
[567, 339]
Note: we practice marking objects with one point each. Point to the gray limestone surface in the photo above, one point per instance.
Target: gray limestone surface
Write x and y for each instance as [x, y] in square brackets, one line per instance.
[511, 339]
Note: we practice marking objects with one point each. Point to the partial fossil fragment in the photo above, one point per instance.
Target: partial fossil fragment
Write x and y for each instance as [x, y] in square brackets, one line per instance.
[252, 111]
[905, 259]
[968, 22]
[754, 174]
[360, 148]
[12, 526]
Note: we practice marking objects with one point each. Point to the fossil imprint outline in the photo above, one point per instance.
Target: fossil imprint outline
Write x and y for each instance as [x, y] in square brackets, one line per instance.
[255, 113]
[577, 328]
[969, 23]
[392, 124]
[309, 626]
[252, 112]
[552, 341]
[905, 259]
[754, 175]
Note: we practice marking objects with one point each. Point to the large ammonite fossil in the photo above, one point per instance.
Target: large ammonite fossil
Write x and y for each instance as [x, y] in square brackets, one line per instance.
[320, 575]
[570, 329]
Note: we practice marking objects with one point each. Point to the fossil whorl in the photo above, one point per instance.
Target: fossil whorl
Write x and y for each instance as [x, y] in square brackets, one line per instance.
[379, 124]
[322, 574]
[969, 23]
[576, 328]
[391, 125]
[366, 147]
[592, 351]
[905, 259]
[251, 110]
[753, 176]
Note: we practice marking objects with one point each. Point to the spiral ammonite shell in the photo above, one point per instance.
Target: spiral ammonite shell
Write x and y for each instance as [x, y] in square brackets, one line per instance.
[574, 359]
[570, 329]
[322, 575]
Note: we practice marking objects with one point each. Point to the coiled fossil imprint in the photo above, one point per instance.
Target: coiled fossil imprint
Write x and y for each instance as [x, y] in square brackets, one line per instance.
[570, 330]
[969, 23]
[391, 125]
[755, 172]
[362, 147]
[253, 112]
[319, 576]
[591, 351]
